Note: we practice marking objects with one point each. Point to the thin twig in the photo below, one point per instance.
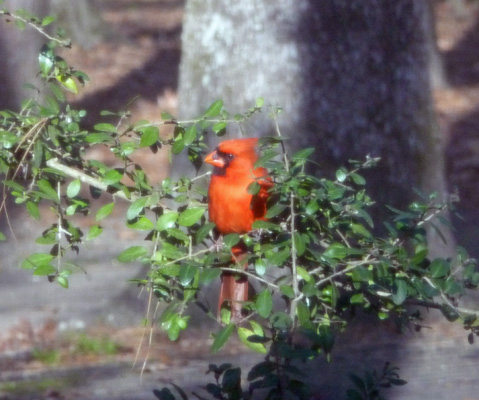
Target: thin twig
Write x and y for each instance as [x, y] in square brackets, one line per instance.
[85, 178]
[65, 43]
[251, 275]
[294, 272]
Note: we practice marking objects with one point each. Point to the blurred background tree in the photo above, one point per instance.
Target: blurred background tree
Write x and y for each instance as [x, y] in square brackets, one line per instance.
[79, 19]
[353, 78]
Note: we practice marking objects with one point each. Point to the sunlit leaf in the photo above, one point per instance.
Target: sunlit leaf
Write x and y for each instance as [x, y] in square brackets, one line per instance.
[221, 337]
[33, 210]
[68, 82]
[264, 303]
[44, 269]
[112, 176]
[400, 292]
[104, 211]
[136, 208]
[35, 260]
[142, 223]
[190, 135]
[244, 334]
[214, 110]
[149, 136]
[166, 221]
[132, 254]
[190, 216]
[94, 231]
[74, 188]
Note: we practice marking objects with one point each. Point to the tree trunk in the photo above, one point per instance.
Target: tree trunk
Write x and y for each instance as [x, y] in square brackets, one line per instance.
[80, 19]
[353, 79]
[19, 49]
[19, 54]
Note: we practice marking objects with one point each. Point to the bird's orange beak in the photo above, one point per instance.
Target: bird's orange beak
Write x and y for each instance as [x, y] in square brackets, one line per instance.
[215, 160]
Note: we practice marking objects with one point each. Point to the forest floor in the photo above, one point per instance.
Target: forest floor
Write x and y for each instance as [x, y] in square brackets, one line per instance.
[82, 343]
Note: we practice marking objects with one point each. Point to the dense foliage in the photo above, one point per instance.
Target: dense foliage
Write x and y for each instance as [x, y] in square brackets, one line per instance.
[313, 263]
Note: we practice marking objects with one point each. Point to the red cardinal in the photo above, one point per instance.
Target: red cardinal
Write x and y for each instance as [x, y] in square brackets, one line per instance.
[233, 209]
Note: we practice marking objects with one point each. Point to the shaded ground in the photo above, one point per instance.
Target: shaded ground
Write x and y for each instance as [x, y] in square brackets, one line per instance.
[143, 60]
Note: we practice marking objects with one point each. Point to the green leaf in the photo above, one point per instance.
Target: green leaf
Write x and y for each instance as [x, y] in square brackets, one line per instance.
[264, 158]
[136, 208]
[400, 293]
[68, 83]
[357, 298]
[264, 303]
[166, 221]
[253, 188]
[8, 139]
[244, 334]
[47, 20]
[142, 223]
[35, 260]
[44, 269]
[166, 116]
[149, 136]
[208, 275]
[327, 338]
[303, 273]
[303, 154]
[164, 394]
[287, 291]
[98, 138]
[260, 224]
[48, 238]
[204, 231]
[45, 59]
[439, 268]
[214, 110]
[190, 216]
[358, 179]
[132, 253]
[105, 127]
[452, 287]
[275, 210]
[341, 174]
[94, 231]
[303, 313]
[336, 250]
[260, 267]
[74, 188]
[361, 230]
[187, 274]
[2, 237]
[62, 281]
[299, 243]
[112, 176]
[281, 320]
[33, 210]
[46, 188]
[231, 240]
[221, 338]
[178, 145]
[219, 127]
[190, 135]
[104, 211]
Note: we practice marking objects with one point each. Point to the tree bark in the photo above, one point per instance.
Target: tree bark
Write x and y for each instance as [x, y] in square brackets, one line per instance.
[19, 54]
[81, 21]
[353, 79]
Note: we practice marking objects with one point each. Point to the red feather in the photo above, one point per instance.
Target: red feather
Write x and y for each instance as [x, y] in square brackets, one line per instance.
[233, 209]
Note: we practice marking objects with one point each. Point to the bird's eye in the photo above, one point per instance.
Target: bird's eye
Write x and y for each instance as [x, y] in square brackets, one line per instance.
[229, 156]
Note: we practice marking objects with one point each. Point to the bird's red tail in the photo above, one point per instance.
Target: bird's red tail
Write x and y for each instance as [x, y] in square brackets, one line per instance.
[234, 291]
[234, 287]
